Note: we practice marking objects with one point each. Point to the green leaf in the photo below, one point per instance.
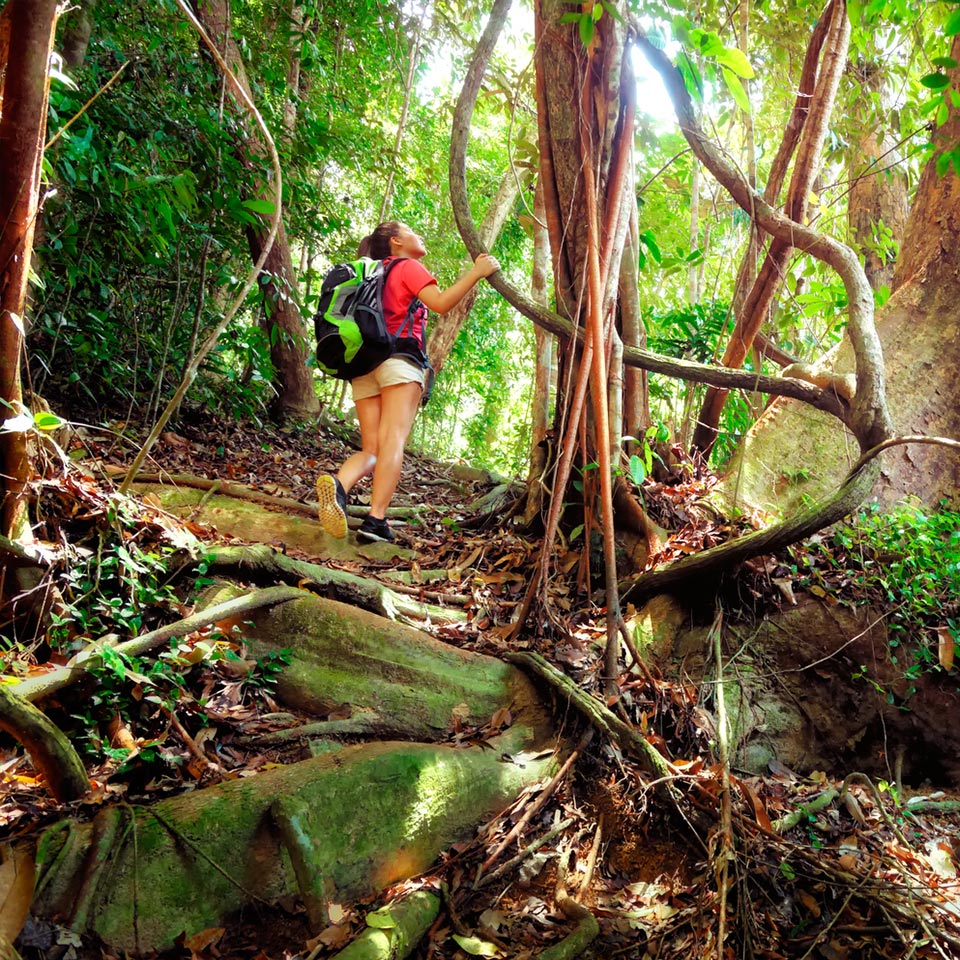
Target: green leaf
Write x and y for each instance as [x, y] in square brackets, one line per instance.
[612, 10]
[570, 18]
[735, 86]
[597, 12]
[382, 919]
[164, 207]
[935, 81]
[586, 29]
[943, 112]
[47, 421]
[691, 76]
[113, 662]
[649, 240]
[947, 63]
[735, 60]
[477, 947]
[787, 871]
[638, 472]
[265, 207]
[952, 27]
[57, 74]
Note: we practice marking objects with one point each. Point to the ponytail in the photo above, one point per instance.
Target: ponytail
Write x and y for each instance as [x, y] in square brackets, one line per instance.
[377, 244]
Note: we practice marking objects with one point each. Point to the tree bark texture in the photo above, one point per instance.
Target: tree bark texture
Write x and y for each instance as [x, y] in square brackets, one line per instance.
[543, 370]
[929, 244]
[879, 188]
[341, 826]
[281, 321]
[78, 27]
[51, 752]
[22, 127]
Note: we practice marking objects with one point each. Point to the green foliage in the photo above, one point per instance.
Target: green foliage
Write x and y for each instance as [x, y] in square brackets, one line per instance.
[910, 559]
[266, 673]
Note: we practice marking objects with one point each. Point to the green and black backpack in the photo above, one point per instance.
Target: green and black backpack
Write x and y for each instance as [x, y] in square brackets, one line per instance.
[352, 335]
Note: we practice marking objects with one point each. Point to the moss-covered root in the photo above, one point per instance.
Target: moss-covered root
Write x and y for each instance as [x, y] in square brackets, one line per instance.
[353, 823]
[595, 712]
[348, 658]
[53, 754]
[584, 933]
[400, 926]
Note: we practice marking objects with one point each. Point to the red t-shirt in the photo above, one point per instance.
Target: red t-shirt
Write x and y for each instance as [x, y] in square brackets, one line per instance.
[403, 284]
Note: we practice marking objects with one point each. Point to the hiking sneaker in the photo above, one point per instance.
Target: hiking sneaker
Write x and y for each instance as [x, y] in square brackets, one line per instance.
[373, 529]
[332, 501]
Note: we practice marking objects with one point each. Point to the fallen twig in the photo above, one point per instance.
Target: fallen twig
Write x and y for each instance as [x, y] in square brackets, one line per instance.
[35, 688]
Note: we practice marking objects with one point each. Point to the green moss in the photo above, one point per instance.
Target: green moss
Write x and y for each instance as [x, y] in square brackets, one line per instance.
[367, 816]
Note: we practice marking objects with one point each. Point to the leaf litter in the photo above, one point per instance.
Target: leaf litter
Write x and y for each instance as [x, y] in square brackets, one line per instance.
[868, 874]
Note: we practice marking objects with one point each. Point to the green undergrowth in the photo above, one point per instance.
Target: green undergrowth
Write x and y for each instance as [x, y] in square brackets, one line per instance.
[906, 560]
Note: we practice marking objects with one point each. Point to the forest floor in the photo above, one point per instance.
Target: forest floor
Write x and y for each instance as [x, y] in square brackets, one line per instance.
[781, 865]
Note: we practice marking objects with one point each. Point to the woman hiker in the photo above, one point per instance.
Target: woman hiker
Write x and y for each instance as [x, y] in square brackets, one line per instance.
[387, 398]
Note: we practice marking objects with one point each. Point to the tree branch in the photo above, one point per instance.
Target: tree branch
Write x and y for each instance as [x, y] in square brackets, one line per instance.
[824, 400]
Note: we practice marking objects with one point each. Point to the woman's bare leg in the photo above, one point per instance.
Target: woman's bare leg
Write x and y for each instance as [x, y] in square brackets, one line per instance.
[399, 405]
[362, 463]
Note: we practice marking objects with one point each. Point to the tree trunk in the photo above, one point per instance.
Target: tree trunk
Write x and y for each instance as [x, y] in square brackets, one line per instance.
[878, 193]
[543, 369]
[78, 26]
[413, 58]
[297, 30]
[22, 127]
[636, 399]
[281, 319]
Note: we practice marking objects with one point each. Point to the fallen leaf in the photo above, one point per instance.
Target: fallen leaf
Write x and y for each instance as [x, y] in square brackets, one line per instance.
[16, 890]
[477, 947]
[946, 647]
[199, 942]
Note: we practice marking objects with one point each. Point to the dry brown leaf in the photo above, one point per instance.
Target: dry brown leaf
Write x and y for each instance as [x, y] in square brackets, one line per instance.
[945, 647]
[16, 889]
[810, 903]
[199, 942]
[853, 807]
[758, 809]
[119, 734]
[785, 586]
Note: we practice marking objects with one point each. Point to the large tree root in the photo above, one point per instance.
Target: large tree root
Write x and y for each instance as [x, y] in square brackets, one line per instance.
[385, 675]
[336, 827]
[264, 561]
[710, 565]
[52, 753]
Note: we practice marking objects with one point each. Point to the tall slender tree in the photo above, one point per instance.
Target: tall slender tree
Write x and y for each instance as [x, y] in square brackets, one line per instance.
[281, 319]
[22, 126]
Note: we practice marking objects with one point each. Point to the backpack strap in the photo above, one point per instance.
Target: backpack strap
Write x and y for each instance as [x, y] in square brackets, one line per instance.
[407, 327]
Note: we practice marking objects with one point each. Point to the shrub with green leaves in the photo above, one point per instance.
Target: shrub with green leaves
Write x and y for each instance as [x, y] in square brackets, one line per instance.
[909, 558]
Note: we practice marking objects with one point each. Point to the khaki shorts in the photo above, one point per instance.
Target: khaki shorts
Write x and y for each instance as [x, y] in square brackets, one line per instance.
[388, 374]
